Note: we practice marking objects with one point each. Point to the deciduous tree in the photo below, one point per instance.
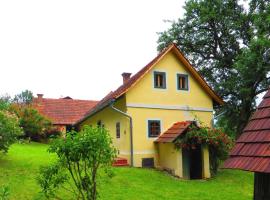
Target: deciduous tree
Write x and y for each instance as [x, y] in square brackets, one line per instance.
[225, 42]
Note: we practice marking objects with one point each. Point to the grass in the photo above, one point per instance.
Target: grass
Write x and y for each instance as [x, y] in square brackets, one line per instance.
[19, 168]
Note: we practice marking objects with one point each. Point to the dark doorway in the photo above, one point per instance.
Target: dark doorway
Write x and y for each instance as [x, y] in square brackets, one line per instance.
[261, 186]
[192, 163]
[196, 163]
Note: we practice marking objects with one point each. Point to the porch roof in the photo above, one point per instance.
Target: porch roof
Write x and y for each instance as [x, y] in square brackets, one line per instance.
[174, 132]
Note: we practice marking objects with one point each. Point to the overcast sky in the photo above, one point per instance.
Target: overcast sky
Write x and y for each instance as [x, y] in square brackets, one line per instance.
[78, 48]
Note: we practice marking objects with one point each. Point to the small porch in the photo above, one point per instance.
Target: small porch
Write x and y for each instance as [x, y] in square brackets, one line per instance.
[192, 163]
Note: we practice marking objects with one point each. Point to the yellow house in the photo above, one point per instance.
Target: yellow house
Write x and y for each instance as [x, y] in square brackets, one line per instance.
[147, 104]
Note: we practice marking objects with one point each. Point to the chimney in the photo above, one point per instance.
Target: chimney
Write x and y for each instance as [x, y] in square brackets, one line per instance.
[39, 97]
[126, 76]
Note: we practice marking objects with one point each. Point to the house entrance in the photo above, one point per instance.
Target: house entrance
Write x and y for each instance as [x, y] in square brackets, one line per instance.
[192, 163]
[196, 163]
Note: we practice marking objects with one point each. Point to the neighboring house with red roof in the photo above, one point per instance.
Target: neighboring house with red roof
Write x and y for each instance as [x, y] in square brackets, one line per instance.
[63, 112]
[252, 149]
[152, 108]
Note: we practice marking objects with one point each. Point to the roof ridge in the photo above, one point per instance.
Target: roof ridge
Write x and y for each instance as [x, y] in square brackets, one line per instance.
[122, 89]
[65, 99]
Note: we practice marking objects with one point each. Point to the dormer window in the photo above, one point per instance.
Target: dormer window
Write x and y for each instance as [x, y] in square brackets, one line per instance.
[160, 80]
[182, 82]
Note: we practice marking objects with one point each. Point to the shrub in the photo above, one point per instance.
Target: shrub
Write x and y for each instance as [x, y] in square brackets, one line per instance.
[35, 125]
[51, 178]
[81, 155]
[9, 129]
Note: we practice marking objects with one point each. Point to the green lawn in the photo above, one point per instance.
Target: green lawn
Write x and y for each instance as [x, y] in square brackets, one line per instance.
[19, 167]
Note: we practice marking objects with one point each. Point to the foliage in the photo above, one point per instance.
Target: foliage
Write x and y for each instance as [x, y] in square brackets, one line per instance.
[51, 178]
[226, 42]
[82, 154]
[9, 128]
[25, 97]
[218, 143]
[33, 123]
[5, 102]
[4, 192]
[53, 133]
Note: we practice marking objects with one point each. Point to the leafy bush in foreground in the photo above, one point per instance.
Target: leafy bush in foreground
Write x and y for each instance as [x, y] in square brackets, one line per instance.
[80, 156]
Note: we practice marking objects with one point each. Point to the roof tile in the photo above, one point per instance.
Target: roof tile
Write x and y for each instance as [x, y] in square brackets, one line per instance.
[63, 111]
[174, 131]
[252, 149]
[135, 78]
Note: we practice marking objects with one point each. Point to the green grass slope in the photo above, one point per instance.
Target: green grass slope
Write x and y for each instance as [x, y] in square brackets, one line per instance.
[19, 168]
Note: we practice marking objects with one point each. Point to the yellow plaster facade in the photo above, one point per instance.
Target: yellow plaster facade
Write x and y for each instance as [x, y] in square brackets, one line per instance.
[143, 102]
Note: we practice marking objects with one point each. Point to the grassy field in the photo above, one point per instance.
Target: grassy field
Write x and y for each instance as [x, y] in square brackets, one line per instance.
[19, 168]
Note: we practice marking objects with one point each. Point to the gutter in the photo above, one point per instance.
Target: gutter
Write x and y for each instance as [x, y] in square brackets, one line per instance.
[131, 129]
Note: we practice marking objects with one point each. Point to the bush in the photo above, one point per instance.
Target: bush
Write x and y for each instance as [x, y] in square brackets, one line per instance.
[218, 142]
[9, 129]
[35, 125]
[81, 155]
[51, 178]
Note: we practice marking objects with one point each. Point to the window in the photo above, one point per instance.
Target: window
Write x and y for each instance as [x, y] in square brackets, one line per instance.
[153, 128]
[100, 124]
[160, 80]
[118, 130]
[182, 82]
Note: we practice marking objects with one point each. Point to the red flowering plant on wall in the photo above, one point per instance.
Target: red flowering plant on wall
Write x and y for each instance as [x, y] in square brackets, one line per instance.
[218, 142]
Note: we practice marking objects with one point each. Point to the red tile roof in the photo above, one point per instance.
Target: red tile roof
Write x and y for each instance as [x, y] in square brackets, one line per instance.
[65, 111]
[252, 149]
[174, 132]
[140, 74]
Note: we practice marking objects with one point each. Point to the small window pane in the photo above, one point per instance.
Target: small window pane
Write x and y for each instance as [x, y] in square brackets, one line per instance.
[100, 124]
[118, 130]
[182, 82]
[160, 80]
[153, 128]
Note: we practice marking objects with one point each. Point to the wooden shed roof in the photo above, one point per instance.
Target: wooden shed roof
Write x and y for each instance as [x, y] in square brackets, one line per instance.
[252, 149]
[174, 132]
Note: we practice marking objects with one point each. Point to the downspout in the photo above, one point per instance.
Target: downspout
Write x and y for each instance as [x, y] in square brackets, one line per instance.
[130, 127]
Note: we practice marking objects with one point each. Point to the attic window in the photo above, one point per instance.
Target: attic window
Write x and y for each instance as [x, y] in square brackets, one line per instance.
[153, 128]
[182, 82]
[160, 80]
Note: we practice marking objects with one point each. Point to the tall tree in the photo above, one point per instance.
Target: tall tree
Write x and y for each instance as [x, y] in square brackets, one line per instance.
[25, 97]
[226, 44]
